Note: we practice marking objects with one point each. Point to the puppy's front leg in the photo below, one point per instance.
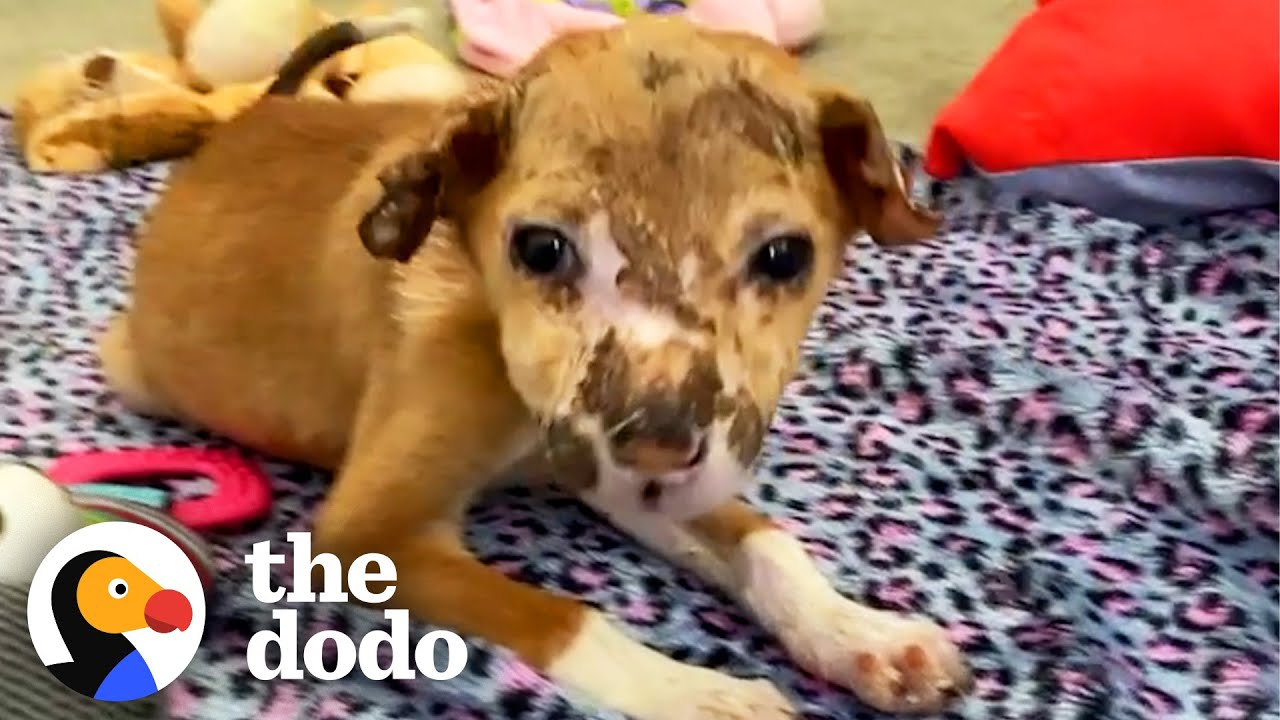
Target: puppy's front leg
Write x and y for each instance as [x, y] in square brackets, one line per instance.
[892, 662]
[415, 464]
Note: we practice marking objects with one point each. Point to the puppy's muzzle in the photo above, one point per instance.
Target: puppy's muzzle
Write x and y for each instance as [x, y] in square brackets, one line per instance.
[659, 434]
[664, 454]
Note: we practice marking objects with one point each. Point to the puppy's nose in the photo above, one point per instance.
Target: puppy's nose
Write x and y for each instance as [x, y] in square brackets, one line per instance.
[661, 455]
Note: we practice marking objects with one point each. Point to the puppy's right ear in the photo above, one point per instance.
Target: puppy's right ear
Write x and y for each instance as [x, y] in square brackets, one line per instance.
[425, 184]
[863, 165]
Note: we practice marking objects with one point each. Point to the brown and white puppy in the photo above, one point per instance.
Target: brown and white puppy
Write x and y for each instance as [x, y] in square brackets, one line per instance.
[608, 262]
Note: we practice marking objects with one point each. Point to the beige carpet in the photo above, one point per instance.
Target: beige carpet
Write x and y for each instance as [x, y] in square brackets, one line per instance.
[908, 56]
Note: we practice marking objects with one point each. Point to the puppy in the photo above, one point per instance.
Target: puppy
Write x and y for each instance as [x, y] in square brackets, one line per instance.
[607, 263]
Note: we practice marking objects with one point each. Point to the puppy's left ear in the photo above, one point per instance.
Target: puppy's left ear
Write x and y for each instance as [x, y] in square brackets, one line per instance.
[867, 174]
[429, 178]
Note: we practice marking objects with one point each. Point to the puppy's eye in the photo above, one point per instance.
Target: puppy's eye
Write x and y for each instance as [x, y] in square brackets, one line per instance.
[543, 251]
[782, 259]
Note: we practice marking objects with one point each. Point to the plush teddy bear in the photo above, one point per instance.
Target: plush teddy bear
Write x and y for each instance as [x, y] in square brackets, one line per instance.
[235, 42]
[396, 67]
[211, 43]
[108, 109]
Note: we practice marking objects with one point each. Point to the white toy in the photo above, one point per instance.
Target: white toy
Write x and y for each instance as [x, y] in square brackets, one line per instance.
[232, 42]
[35, 514]
[241, 42]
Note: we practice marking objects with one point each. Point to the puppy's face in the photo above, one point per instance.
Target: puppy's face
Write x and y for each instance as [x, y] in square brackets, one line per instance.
[656, 212]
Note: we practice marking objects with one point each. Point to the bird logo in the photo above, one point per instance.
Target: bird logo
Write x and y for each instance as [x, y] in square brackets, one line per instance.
[116, 611]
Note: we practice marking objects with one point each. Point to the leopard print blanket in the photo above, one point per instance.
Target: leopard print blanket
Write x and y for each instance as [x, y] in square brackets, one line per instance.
[1052, 431]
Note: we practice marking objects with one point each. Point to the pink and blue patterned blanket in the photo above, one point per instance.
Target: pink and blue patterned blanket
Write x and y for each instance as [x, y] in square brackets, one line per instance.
[1053, 431]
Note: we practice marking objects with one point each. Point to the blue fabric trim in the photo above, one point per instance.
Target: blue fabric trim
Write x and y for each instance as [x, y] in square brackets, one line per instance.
[1150, 192]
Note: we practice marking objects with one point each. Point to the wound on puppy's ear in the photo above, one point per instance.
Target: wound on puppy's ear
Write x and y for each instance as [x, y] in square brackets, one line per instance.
[401, 220]
[866, 173]
[99, 70]
[435, 181]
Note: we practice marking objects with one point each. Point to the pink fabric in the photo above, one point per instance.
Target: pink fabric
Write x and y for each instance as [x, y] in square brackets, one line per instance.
[789, 23]
[797, 22]
[750, 16]
[500, 36]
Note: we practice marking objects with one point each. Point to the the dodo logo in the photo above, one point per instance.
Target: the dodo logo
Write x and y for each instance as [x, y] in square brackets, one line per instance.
[116, 611]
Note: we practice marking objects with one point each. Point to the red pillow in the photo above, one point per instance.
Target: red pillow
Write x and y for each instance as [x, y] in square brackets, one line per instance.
[1147, 110]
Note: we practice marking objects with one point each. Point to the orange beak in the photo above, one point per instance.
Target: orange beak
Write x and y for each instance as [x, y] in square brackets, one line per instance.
[168, 610]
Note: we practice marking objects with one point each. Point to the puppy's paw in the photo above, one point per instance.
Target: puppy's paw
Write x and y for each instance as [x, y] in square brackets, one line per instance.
[707, 695]
[894, 663]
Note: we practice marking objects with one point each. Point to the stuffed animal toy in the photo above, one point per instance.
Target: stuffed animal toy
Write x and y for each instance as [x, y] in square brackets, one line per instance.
[211, 46]
[108, 109]
[396, 67]
[235, 42]
[35, 514]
